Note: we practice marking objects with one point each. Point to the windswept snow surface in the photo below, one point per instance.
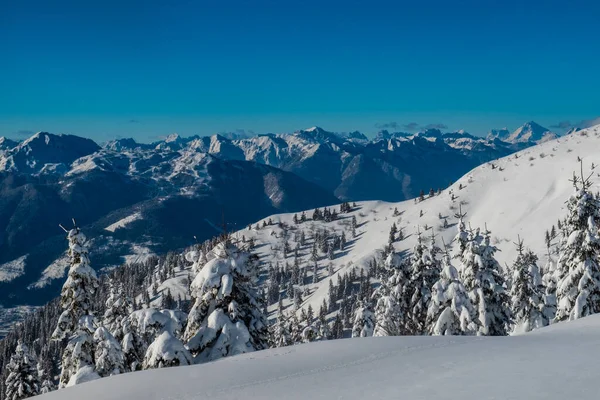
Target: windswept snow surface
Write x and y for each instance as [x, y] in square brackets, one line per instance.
[559, 362]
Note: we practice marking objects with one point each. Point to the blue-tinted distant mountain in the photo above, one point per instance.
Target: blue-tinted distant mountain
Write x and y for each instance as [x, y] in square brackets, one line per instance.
[527, 133]
[45, 150]
[392, 166]
[132, 200]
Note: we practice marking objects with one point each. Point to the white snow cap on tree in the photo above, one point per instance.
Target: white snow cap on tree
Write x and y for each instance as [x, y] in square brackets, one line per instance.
[76, 297]
[166, 351]
[22, 380]
[226, 318]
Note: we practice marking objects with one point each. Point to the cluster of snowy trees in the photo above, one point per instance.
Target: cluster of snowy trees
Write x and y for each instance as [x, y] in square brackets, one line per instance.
[94, 340]
[345, 299]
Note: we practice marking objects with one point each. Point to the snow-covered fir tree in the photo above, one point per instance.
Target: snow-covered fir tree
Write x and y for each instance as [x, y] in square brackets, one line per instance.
[485, 283]
[549, 282]
[527, 292]
[78, 364]
[392, 304]
[76, 322]
[118, 307]
[226, 318]
[145, 327]
[166, 351]
[108, 353]
[77, 293]
[22, 380]
[280, 335]
[45, 369]
[577, 270]
[364, 320]
[450, 311]
[423, 273]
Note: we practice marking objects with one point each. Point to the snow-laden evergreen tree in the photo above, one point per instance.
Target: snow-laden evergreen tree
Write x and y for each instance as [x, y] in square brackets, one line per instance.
[226, 318]
[450, 311]
[118, 307]
[549, 282]
[22, 380]
[424, 272]
[144, 327]
[577, 271]
[45, 369]
[108, 354]
[166, 351]
[364, 320]
[462, 237]
[309, 334]
[483, 280]
[78, 364]
[77, 293]
[280, 336]
[132, 346]
[527, 292]
[391, 307]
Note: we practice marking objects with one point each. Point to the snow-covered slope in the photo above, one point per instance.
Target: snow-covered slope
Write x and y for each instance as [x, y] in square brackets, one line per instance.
[519, 195]
[559, 362]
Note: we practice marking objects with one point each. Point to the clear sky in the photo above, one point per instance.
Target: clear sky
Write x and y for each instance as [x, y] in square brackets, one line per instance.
[144, 69]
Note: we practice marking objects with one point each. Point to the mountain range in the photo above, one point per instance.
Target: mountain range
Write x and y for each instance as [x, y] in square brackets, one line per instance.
[137, 199]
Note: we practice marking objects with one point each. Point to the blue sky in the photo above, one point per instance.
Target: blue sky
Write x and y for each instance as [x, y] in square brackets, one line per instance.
[144, 69]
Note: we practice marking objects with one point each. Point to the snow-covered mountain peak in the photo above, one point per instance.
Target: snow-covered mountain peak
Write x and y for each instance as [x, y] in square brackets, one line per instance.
[173, 137]
[6, 144]
[531, 132]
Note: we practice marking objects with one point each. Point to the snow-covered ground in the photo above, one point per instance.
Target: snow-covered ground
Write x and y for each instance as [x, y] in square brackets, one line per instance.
[559, 362]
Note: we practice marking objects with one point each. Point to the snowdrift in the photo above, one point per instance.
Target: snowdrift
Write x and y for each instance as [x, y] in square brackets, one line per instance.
[558, 362]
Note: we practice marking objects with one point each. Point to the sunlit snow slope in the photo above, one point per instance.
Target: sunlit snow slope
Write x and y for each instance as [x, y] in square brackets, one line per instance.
[519, 195]
[559, 362]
